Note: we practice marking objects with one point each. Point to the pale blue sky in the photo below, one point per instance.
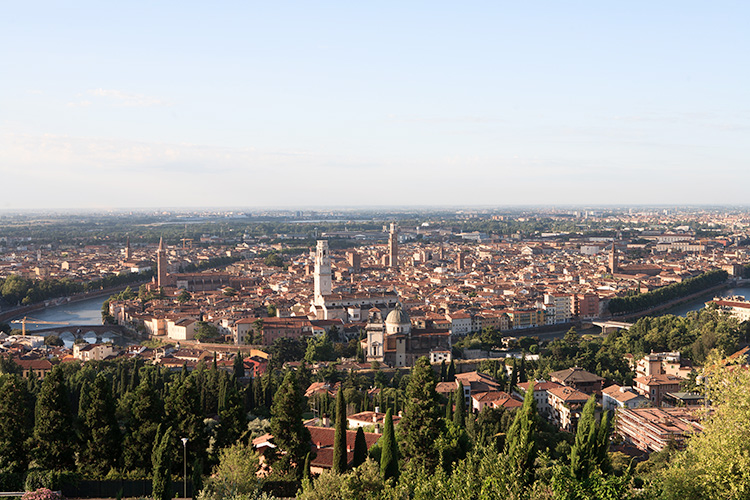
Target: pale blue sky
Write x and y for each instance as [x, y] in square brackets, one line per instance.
[147, 104]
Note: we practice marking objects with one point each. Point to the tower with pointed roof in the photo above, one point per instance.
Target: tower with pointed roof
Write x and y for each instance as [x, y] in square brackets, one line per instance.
[393, 247]
[161, 264]
[613, 259]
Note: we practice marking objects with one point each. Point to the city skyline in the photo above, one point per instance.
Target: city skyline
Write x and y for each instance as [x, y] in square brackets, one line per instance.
[294, 105]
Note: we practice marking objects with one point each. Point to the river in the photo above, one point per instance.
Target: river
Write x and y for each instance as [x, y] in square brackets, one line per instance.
[694, 305]
[83, 313]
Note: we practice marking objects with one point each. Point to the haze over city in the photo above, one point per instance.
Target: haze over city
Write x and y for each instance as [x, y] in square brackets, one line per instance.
[294, 104]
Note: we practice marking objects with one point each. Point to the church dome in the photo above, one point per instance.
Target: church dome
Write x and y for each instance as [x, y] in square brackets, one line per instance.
[398, 317]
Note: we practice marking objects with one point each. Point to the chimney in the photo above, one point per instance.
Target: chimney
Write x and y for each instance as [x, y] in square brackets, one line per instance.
[377, 428]
[377, 409]
[326, 421]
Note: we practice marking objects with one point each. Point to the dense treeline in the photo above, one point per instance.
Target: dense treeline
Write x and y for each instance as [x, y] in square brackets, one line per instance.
[17, 290]
[643, 301]
[100, 419]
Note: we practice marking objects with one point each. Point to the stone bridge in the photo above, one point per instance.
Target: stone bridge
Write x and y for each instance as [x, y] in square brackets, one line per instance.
[73, 332]
[612, 326]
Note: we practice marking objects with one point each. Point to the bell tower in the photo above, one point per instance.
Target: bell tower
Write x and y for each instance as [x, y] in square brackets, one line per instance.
[613, 259]
[322, 272]
[161, 264]
[393, 247]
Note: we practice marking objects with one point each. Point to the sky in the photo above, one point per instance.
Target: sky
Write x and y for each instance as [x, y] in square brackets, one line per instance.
[110, 105]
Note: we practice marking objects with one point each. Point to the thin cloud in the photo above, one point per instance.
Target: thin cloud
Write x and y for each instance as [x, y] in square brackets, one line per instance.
[79, 104]
[126, 99]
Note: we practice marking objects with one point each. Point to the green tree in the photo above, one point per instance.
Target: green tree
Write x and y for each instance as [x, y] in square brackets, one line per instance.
[360, 448]
[238, 366]
[421, 425]
[205, 331]
[15, 419]
[161, 482]
[101, 446]
[320, 349]
[459, 416]
[54, 442]
[716, 461]
[450, 376]
[520, 445]
[235, 474]
[290, 434]
[143, 410]
[183, 412]
[389, 453]
[273, 260]
[583, 455]
[183, 297]
[364, 483]
[339, 439]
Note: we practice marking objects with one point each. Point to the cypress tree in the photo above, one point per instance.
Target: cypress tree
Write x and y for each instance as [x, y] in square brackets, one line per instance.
[459, 417]
[449, 408]
[184, 413]
[258, 399]
[143, 418]
[513, 377]
[421, 425]
[15, 419]
[233, 418]
[238, 366]
[443, 372]
[54, 441]
[290, 433]
[101, 449]
[360, 448]
[306, 469]
[161, 482]
[339, 439]
[124, 381]
[134, 376]
[451, 375]
[582, 454]
[602, 444]
[197, 476]
[389, 453]
[520, 445]
[222, 399]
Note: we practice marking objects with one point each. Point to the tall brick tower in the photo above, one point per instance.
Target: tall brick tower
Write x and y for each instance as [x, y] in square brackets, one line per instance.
[393, 247]
[161, 264]
[613, 259]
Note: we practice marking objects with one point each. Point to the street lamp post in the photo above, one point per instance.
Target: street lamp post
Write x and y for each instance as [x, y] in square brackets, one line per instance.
[184, 461]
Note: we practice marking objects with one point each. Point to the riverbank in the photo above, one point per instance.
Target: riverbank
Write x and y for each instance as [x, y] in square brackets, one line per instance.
[675, 302]
[17, 312]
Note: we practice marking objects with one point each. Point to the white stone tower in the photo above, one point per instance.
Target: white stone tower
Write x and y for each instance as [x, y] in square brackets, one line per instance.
[322, 272]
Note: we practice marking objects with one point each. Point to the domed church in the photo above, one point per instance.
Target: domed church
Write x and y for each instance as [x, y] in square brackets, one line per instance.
[396, 343]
